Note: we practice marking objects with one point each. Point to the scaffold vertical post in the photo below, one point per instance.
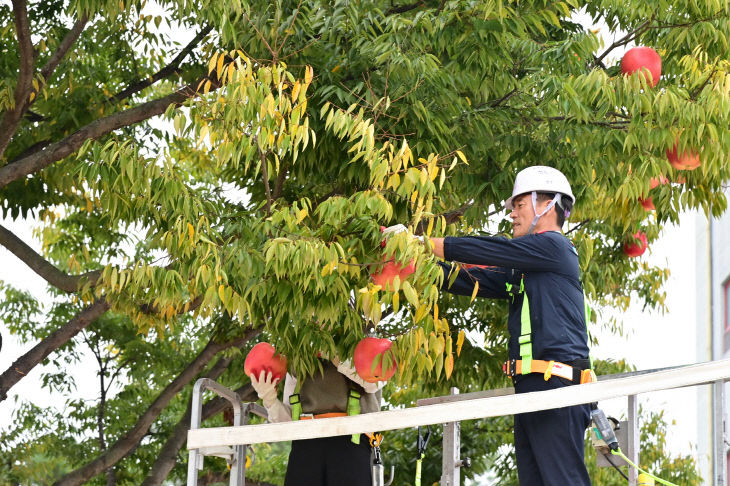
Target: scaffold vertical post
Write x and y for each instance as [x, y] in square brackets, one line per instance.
[451, 463]
[718, 427]
[240, 417]
[633, 442]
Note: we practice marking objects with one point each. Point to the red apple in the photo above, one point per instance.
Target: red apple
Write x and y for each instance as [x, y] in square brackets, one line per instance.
[366, 351]
[687, 160]
[263, 357]
[636, 245]
[641, 59]
[647, 203]
[390, 269]
[656, 181]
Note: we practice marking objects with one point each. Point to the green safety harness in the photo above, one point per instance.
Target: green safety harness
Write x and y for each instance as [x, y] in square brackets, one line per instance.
[525, 339]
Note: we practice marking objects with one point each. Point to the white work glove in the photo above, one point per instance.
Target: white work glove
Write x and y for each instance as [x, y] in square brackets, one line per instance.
[346, 368]
[399, 228]
[265, 387]
[395, 229]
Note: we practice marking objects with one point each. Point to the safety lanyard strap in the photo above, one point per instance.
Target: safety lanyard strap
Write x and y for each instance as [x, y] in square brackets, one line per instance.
[353, 408]
[418, 469]
[588, 332]
[658, 480]
[295, 402]
[421, 444]
[525, 339]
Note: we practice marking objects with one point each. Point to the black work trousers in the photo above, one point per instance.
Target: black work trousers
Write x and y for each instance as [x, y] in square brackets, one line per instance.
[329, 461]
[549, 443]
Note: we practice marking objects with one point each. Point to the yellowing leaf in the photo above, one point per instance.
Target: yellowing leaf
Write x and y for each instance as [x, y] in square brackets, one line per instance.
[449, 365]
[308, 74]
[462, 156]
[221, 292]
[301, 215]
[410, 293]
[474, 292]
[460, 342]
[420, 312]
[191, 232]
[219, 69]
[326, 270]
[212, 63]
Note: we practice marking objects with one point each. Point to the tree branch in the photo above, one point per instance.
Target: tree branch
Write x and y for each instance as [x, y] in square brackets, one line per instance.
[41, 266]
[34, 117]
[48, 69]
[623, 41]
[58, 150]
[578, 226]
[25, 76]
[130, 440]
[451, 216]
[36, 147]
[168, 456]
[405, 8]
[23, 365]
[171, 68]
[279, 184]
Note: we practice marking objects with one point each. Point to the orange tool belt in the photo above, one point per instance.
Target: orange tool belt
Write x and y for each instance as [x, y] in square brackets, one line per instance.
[309, 416]
[375, 439]
[513, 368]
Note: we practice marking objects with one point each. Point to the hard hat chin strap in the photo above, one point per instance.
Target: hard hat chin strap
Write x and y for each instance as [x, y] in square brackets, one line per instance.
[555, 201]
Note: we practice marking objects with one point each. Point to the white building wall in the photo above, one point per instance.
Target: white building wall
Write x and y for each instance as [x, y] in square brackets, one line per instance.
[713, 342]
[704, 344]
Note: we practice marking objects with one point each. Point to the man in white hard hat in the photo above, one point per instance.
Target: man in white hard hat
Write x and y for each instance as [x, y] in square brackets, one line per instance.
[537, 272]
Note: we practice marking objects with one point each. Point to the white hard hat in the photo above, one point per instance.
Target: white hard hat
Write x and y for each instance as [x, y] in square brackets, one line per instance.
[540, 178]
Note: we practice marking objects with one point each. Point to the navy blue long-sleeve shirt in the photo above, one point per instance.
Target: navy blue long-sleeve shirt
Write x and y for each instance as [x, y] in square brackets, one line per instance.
[549, 263]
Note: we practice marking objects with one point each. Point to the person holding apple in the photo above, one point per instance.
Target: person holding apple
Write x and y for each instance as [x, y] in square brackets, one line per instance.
[537, 272]
[337, 391]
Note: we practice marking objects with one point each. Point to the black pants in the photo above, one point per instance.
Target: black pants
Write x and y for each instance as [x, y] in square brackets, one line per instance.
[549, 443]
[329, 461]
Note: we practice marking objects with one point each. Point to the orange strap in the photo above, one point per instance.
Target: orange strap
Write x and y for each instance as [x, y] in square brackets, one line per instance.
[588, 376]
[548, 369]
[322, 415]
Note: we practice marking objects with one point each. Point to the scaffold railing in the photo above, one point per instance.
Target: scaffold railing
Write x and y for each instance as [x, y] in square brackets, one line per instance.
[456, 408]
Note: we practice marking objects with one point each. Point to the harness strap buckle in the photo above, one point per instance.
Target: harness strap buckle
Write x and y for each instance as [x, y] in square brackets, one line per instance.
[549, 370]
[588, 376]
[510, 368]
